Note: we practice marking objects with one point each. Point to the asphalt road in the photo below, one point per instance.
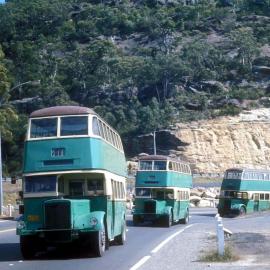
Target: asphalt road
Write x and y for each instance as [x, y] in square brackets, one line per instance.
[147, 247]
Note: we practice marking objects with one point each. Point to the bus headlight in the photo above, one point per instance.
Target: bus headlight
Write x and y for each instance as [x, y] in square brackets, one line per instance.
[20, 225]
[93, 221]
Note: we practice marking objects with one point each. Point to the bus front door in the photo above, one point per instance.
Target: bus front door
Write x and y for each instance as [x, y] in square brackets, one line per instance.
[113, 208]
[256, 202]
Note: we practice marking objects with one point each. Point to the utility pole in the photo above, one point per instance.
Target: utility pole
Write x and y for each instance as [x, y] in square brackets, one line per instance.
[33, 83]
[155, 147]
[1, 182]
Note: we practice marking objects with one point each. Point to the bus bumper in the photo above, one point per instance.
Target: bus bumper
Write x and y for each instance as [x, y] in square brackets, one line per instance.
[149, 217]
[56, 236]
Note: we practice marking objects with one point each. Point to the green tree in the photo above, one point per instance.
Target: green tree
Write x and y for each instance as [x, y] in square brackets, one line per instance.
[246, 44]
[7, 114]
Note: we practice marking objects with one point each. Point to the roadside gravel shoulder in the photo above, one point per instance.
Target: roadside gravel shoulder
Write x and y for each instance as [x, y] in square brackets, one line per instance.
[187, 249]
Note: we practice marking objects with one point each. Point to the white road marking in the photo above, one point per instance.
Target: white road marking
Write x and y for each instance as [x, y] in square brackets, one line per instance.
[163, 243]
[157, 248]
[11, 264]
[140, 262]
[4, 221]
[8, 230]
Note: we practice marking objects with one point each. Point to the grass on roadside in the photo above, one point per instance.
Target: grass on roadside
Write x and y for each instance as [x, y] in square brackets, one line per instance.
[213, 256]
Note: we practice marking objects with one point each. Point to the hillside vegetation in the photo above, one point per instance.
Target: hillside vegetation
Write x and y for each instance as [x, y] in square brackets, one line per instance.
[142, 65]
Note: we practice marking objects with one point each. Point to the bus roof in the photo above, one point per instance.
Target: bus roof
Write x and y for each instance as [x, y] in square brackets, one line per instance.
[248, 170]
[62, 110]
[160, 157]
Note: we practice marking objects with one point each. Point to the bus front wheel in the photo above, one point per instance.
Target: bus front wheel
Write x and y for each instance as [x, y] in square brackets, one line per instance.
[28, 246]
[100, 243]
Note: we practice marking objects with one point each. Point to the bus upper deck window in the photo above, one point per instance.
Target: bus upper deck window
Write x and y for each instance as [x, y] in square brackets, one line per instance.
[46, 127]
[74, 125]
[95, 127]
[160, 165]
[146, 165]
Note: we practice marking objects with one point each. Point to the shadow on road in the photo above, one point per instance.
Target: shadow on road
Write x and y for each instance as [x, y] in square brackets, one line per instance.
[206, 214]
[148, 224]
[10, 252]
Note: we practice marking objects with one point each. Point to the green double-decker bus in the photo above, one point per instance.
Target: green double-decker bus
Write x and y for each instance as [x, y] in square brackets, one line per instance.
[244, 191]
[74, 178]
[162, 190]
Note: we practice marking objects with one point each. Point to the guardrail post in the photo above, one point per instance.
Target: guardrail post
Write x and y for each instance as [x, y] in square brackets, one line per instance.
[9, 210]
[220, 236]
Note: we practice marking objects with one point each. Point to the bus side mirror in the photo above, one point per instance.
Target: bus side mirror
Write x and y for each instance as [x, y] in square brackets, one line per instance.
[21, 194]
[13, 180]
[21, 209]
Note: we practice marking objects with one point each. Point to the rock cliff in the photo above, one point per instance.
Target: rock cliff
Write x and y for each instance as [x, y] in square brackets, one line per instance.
[212, 146]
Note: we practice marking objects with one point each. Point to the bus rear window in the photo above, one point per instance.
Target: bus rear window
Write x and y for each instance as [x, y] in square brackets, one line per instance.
[46, 127]
[34, 184]
[74, 125]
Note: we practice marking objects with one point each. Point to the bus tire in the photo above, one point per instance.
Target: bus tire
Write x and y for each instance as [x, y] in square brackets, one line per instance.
[185, 220]
[242, 211]
[100, 243]
[136, 220]
[121, 239]
[28, 246]
[169, 220]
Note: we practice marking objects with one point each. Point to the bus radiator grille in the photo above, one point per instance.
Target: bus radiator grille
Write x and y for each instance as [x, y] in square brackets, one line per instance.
[57, 216]
[150, 207]
[227, 204]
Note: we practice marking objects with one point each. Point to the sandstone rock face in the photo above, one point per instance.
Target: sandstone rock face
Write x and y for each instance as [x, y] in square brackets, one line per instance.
[215, 145]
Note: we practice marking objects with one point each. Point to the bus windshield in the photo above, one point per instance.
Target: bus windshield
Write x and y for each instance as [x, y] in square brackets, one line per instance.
[46, 127]
[45, 183]
[75, 125]
[143, 192]
[146, 165]
[160, 165]
[233, 175]
[155, 165]
[233, 194]
[155, 193]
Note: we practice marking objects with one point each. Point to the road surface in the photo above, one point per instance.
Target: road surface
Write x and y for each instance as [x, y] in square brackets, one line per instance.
[147, 248]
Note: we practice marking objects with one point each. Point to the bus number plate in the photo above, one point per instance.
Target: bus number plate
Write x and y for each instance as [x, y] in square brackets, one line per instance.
[58, 152]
